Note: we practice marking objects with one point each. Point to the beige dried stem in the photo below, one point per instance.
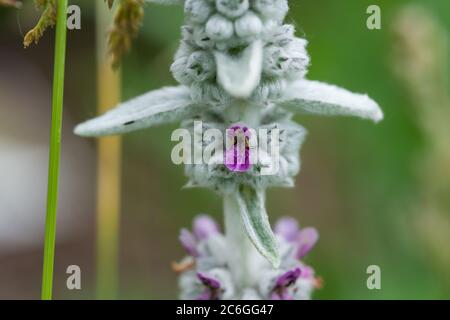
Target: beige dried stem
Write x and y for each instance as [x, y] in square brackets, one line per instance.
[421, 63]
[108, 168]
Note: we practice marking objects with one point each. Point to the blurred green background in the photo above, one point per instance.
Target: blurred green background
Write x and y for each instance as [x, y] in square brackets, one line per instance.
[365, 187]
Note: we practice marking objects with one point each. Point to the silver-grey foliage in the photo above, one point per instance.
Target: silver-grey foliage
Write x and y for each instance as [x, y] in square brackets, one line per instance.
[238, 62]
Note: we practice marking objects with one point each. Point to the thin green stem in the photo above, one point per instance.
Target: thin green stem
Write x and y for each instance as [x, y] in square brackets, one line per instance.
[55, 149]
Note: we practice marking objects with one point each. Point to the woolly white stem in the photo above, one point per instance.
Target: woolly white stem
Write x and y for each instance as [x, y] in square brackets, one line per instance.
[240, 249]
[245, 112]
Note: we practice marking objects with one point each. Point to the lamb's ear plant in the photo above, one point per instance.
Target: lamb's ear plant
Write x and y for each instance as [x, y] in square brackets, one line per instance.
[240, 68]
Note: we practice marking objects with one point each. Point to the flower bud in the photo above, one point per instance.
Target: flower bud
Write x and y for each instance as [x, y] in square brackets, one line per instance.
[275, 60]
[232, 8]
[273, 9]
[197, 10]
[287, 228]
[201, 66]
[178, 69]
[299, 60]
[219, 28]
[306, 240]
[202, 39]
[248, 25]
[282, 35]
[205, 227]
[188, 242]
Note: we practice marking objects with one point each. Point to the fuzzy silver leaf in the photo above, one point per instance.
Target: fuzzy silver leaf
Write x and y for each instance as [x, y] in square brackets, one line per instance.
[170, 104]
[314, 97]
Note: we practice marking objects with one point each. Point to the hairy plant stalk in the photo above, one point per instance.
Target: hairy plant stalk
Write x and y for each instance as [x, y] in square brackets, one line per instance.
[108, 167]
[238, 241]
[55, 150]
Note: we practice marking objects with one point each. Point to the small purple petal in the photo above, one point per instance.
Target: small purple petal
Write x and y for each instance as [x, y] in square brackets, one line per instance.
[237, 157]
[306, 240]
[208, 281]
[288, 278]
[205, 295]
[238, 127]
[204, 227]
[237, 161]
[283, 282]
[188, 242]
[212, 287]
[307, 272]
[287, 228]
[283, 295]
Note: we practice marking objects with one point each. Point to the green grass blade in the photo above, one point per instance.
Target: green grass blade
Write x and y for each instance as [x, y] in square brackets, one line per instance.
[55, 149]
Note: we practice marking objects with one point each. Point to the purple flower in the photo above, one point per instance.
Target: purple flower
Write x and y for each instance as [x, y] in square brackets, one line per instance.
[204, 227]
[283, 283]
[303, 239]
[188, 242]
[306, 240]
[307, 272]
[288, 228]
[212, 287]
[237, 158]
